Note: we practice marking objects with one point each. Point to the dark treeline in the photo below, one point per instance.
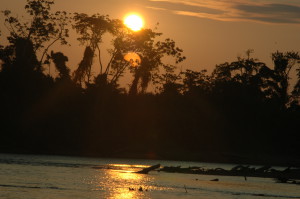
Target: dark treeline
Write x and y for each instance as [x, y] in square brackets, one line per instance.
[242, 109]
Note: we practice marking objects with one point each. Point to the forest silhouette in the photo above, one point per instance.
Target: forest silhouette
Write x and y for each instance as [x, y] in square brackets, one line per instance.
[242, 111]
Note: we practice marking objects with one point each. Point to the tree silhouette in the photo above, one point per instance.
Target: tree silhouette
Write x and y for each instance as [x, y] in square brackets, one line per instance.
[283, 64]
[43, 28]
[168, 82]
[91, 30]
[194, 81]
[151, 52]
[60, 60]
[243, 108]
[125, 41]
[84, 68]
[296, 90]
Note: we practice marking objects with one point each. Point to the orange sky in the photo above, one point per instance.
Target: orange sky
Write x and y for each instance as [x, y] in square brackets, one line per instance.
[209, 31]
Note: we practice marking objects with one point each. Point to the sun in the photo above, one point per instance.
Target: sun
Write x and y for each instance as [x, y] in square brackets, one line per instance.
[134, 22]
[133, 58]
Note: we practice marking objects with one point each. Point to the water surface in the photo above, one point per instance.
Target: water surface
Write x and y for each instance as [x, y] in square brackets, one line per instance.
[53, 177]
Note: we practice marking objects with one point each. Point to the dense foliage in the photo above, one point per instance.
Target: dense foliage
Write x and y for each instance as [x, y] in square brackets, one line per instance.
[243, 108]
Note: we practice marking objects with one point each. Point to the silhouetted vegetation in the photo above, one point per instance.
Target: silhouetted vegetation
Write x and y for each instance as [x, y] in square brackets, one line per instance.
[242, 111]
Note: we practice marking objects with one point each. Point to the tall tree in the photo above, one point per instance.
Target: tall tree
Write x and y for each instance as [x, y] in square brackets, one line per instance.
[283, 65]
[152, 53]
[125, 42]
[91, 30]
[43, 28]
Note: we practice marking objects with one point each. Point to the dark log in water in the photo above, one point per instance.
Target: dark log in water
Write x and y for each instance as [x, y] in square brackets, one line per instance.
[148, 169]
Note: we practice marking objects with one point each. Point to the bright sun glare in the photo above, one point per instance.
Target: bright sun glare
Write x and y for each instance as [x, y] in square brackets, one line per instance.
[134, 22]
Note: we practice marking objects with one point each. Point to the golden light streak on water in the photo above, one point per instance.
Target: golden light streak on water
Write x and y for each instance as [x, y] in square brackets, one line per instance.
[123, 178]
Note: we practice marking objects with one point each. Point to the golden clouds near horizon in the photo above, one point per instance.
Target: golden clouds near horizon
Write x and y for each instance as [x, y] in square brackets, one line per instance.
[134, 22]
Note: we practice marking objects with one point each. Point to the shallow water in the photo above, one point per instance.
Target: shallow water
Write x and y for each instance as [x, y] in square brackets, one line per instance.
[53, 177]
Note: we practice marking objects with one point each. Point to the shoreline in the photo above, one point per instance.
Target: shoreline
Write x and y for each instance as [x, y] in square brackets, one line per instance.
[288, 175]
[234, 159]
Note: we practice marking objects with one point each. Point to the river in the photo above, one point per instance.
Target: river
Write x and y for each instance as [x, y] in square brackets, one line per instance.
[55, 177]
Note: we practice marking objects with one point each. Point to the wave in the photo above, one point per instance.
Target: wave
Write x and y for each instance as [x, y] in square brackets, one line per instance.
[41, 163]
[31, 187]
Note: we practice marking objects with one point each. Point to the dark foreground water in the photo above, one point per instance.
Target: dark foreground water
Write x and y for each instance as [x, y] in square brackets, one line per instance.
[53, 177]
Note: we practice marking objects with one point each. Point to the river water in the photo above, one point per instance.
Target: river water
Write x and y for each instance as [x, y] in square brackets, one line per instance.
[55, 177]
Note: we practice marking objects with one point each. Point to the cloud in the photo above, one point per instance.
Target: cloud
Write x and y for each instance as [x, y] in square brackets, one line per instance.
[183, 6]
[234, 10]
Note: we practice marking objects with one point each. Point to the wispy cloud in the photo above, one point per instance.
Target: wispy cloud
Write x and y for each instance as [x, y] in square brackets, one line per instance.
[271, 11]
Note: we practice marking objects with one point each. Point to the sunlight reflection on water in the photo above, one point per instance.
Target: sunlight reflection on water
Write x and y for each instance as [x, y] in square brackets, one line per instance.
[124, 178]
[123, 182]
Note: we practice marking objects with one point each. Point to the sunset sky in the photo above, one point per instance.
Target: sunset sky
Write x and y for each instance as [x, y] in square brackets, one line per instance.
[209, 31]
